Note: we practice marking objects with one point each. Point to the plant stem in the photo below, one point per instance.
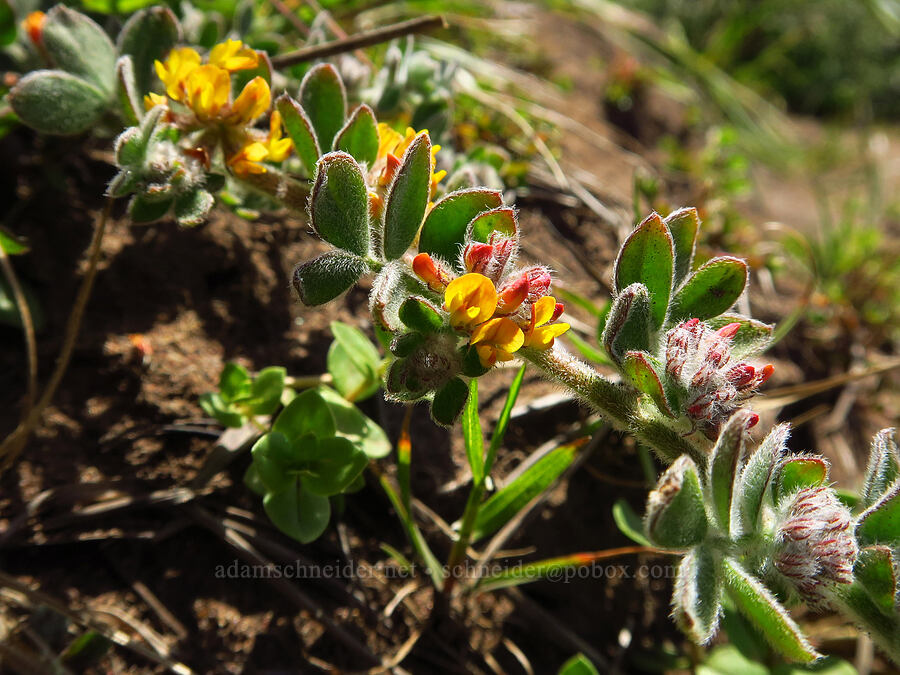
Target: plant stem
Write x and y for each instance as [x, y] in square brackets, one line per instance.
[280, 187]
[15, 442]
[365, 39]
[27, 330]
[617, 404]
[884, 629]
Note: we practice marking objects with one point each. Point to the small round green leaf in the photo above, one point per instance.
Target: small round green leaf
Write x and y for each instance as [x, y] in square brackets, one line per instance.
[407, 198]
[334, 464]
[711, 290]
[272, 461]
[353, 362]
[306, 414]
[359, 137]
[501, 220]
[676, 515]
[324, 99]
[647, 257]
[644, 375]
[444, 230]
[298, 513]
[322, 279]
[356, 427]
[339, 204]
[798, 473]
[683, 224]
[147, 36]
[265, 393]
[234, 382]
[54, 102]
[449, 402]
[79, 46]
[421, 315]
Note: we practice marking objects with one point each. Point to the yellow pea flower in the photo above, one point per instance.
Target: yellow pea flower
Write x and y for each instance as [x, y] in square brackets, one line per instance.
[497, 340]
[247, 160]
[388, 139]
[152, 100]
[471, 299]
[393, 144]
[232, 55]
[179, 64]
[253, 101]
[207, 91]
[540, 334]
[279, 148]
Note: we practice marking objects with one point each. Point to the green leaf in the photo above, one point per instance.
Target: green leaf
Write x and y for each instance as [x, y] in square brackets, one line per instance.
[883, 466]
[115, 6]
[339, 204]
[757, 474]
[502, 220]
[234, 382]
[728, 451]
[54, 102]
[507, 502]
[676, 513]
[647, 257]
[503, 421]
[797, 473]
[298, 513]
[472, 436]
[80, 47]
[300, 130]
[641, 371]
[272, 455]
[334, 463]
[85, 650]
[126, 91]
[711, 290]
[449, 402]
[683, 224]
[728, 660]
[407, 198]
[356, 427]
[11, 244]
[578, 665]
[306, 414]
[420, 315]
[880, 523]
[145, 209]
[588, 351]
[322, 279]
[444, 230]
[628, 325]
[875, 570]
[8, 28]
[267, 389]
[359, 137]
[214, 406]
[353, 362]
[253, 482]
[752, 338]
[324, 99]
[696, 598]
[148, 36]
[629, 523]
[758, 604]
[192, 207]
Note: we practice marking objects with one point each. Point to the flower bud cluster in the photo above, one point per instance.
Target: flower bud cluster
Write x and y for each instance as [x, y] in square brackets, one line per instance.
[699, 360]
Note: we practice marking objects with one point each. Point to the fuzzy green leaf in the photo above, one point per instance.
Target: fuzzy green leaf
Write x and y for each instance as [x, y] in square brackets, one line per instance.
[798, 473]
[756, 476]
[696, 598]
[727, 452]
[79, 46]
[148, 36]
[420, 315]
[758, 604]
[300, 131]
[876, 571]
[880, 523]
[322, 279]
[54, 102]
[683, 224]
[444, 230]
[449, 402]
[883, 467]
[192, 207]
[643, 373]
[127, 92]
[324, 99]
[629, 522]
[359, 137]
[628, 325]
[144, 208]
[752, 338]
[407, 198]
[502, 220]
[676, 514]
[298, 513]
[339, 204]
[710, 290]
[647, 257]
[503, 505]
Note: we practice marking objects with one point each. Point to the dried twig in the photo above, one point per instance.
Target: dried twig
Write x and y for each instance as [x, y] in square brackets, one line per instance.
[27, 330]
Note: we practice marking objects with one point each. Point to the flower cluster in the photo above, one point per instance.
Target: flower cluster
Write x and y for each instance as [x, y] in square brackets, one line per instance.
[198, 96]
[699, 360]
[391, 147]
[816, 544]
[499, 313]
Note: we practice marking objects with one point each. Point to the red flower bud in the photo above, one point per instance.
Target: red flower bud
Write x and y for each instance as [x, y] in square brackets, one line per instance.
[728, 331]
[477, 257]
[512, 294]
[430, 272]
[557, 311]
[538, 282]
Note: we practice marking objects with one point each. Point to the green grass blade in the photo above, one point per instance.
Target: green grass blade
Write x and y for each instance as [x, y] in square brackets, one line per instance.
[503, 420]
[474, 440]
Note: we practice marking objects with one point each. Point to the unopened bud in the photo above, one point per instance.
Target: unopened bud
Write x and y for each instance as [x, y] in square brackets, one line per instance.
[431, 272]
[34, 27]
[477, 257]
[512, 294]
[676, 515]
[538, 282]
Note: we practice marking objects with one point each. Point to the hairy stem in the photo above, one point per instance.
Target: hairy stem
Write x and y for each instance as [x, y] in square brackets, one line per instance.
[616, 403]
[855, 603]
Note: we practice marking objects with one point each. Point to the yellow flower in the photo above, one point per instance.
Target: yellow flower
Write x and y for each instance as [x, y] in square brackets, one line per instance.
[540, 334]
[207, 90]
[387, 140]
[392, 145]
[471, 299]
[253, 101]
[152, 100]
[248, 159]
[279, 148]
[178, 65]
[232, 55]
[497, 340]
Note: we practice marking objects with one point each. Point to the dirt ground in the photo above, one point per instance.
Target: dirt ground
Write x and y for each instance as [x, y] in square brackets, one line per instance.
[126, 425]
